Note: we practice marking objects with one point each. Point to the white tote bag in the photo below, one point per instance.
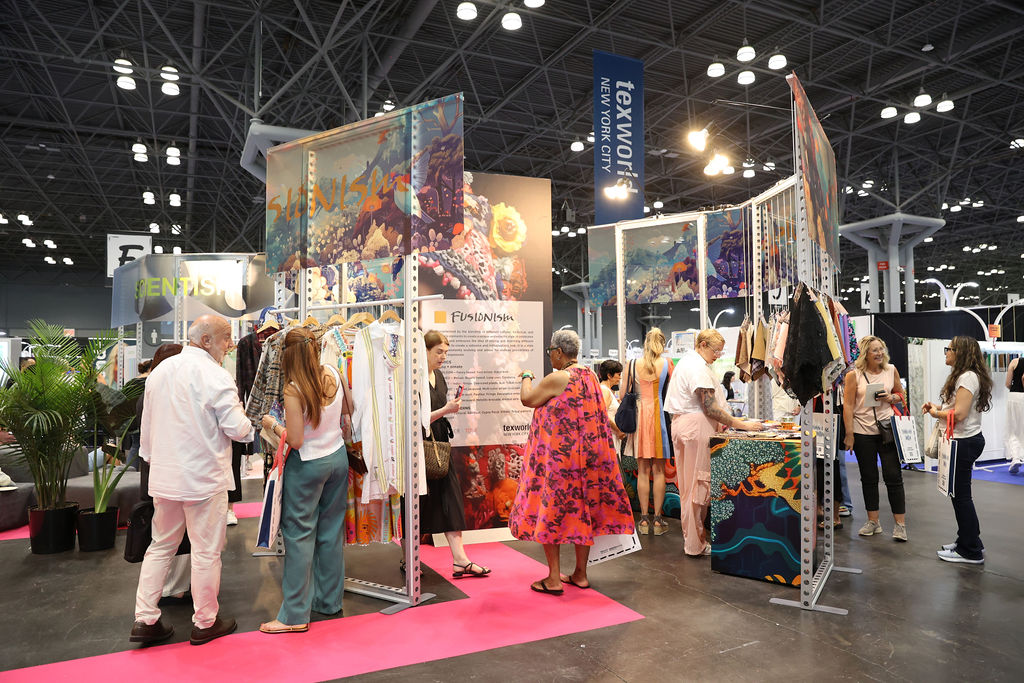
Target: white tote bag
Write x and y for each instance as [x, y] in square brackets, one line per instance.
[907, 444]
[270, 513]
[945, 480]
[611, 546]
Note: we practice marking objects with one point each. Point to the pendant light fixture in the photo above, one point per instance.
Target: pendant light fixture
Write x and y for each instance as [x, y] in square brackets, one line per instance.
[138, 147]
[533, 4]
[777, 61]
[466, 11]
[716, 69]
[698, 139]
[576, 146]
[889, 112]
[746, 52]
[923, 99]
[745, 77]
[944, 105]
[511, 21]
[912, 117]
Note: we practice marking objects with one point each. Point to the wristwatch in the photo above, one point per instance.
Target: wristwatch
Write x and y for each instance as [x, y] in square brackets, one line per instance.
[525, 374]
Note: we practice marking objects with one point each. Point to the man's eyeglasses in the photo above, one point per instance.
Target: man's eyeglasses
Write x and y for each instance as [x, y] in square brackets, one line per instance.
[947, 349]
[552, 348]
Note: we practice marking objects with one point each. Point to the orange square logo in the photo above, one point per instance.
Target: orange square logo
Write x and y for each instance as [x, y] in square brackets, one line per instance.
[440, 317]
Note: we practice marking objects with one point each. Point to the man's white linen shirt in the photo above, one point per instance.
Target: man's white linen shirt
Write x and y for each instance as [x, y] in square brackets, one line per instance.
[192, 414]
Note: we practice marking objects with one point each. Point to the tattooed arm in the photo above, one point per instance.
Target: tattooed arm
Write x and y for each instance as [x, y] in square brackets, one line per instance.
[709, 405]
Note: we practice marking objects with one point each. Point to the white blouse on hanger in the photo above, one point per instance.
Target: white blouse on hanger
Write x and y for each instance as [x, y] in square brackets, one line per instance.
[380, 411]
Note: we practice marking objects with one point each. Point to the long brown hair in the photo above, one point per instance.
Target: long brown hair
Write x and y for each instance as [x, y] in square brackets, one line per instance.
[163, 353]
[301, 365]
[967, 358]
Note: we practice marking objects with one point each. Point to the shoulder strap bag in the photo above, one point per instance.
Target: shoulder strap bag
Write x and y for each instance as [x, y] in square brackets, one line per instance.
[625, 416]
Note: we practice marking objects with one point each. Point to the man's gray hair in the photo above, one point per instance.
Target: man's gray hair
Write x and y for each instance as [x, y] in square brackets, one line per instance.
[567, 341]
[204, 324]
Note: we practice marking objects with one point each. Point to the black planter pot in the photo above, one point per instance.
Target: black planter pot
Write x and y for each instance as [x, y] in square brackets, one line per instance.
[52, 531]
[96, 530]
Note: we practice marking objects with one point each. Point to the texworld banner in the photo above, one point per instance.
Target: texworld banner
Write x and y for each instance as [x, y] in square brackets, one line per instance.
[618, 136]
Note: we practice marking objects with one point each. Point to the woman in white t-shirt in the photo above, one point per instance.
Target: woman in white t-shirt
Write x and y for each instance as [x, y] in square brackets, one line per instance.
[610, 374]
[315, 488]
[967, 393]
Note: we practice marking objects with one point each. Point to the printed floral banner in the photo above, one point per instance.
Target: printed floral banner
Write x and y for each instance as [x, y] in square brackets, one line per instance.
[660, 263]
[820, 185]
[380, 188]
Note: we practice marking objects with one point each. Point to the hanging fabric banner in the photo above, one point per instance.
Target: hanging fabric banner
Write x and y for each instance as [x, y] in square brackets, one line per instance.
[618, 138]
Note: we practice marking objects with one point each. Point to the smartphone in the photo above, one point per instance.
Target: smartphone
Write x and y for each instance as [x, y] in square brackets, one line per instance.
[458, 392]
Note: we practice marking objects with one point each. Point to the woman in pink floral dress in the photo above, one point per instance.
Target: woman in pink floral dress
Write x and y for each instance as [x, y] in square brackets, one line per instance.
[571, 488]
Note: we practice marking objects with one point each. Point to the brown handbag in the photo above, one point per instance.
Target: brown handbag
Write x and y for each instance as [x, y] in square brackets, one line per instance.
[438, 458]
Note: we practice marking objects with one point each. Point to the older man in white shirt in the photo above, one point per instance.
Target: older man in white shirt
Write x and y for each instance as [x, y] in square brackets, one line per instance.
[192, 415]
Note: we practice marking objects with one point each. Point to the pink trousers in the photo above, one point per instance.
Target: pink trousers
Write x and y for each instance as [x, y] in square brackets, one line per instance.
[691, 433]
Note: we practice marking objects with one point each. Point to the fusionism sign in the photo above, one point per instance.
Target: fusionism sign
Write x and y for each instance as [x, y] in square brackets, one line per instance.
[618, 136]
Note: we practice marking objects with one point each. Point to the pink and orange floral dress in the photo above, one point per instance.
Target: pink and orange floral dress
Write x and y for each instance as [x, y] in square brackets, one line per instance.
[571, 489]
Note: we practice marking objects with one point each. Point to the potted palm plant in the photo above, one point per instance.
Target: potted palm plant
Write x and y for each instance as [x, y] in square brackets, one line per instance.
[109, 417]
[45, 407]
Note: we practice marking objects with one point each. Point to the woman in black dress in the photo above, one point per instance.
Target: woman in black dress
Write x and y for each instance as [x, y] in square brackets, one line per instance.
[442, 509]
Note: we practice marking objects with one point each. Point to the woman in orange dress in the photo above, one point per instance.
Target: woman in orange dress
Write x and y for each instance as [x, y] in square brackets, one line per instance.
[652, 441]
[571, 489]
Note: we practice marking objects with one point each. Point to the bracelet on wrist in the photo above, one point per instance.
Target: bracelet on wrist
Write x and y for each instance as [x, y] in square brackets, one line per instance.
[526, 375]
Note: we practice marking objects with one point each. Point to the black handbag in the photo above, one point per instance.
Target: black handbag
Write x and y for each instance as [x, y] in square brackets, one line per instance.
[140, 533]
[625, 416]
[884, 428]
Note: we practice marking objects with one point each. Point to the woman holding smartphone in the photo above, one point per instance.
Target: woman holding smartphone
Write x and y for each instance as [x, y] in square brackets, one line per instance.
[861, 415]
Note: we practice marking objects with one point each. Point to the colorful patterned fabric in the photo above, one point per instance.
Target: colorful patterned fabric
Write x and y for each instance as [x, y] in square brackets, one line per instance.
[653, 437]
[571, 489]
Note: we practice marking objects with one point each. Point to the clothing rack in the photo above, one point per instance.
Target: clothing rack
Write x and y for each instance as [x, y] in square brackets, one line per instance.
[814, 268]
[410, 594]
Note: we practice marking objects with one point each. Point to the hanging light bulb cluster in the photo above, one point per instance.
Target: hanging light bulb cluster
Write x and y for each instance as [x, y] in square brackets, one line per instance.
[746, 54]
[921, 101]
[124, 68]
[510, 21]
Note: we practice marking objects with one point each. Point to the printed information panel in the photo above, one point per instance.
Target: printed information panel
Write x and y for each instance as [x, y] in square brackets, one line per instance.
[490, 343]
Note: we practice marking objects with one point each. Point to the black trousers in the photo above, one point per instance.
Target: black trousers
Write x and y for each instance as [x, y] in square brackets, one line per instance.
[869, 450]
[968, 533]
[237, 451]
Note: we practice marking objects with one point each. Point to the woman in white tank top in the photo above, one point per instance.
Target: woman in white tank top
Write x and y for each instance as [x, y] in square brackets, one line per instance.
[315, 486]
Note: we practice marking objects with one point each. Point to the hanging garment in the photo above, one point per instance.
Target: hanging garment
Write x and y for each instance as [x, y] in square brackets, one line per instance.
[757, 353]
[380, 410]
[806, 354]
[831, 372]
[743, 351]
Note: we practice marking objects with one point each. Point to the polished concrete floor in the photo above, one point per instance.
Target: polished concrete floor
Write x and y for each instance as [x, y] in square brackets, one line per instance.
[912, 617]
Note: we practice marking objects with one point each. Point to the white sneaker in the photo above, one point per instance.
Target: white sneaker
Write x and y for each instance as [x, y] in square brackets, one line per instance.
[232, 519]
[870, 528]
[954, 556]
[952, 546]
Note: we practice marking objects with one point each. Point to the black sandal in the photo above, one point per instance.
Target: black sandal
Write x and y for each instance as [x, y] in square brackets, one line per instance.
[467, 570]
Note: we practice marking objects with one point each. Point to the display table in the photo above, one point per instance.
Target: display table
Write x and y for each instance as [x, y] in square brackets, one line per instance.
[755, 508]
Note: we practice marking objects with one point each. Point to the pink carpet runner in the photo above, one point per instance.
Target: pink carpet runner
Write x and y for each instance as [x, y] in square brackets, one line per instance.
[501, 610]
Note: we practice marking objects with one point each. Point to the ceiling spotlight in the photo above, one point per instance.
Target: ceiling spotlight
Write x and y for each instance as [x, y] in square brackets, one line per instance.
[728, 170]
[139, 148]
[466, 11]
[912, 117]
[955, 208]
[945, 206]
[777, 61]
[862, 193]
[176, 250]
[944, 105]
[927, 47]
[647, 209]
[889, 112]
[154, 227]
[174, 198]
[746, 52]
[748, 173]
[171, 89]
[923, 99]
[533, 4]
[1020, 219]
[148, 200]
[658, 204]
[745, 77]
[965, 201]
[173, 151]
[748, 163]
[929, 239]
[141, 157]
[122, 66]
[389, 105]
[511, 21]
[581, 230]
[565, 229]
[148, 194]
[28, 243]
[23, 217]
[769, 165]
[126, 83]
[572, 233]
[174, 161]
[590, 137]
[1017, 143]
[977, 203]
[716, 69]
[68, 261]
[168, 73]
[698, 139]
[3, 221]
[175, 229]
[157, 249]
[576, 146]
[50, 260]
[555, 233]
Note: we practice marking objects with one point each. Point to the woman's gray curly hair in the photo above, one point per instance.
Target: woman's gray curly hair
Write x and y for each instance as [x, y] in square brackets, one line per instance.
[567, 341]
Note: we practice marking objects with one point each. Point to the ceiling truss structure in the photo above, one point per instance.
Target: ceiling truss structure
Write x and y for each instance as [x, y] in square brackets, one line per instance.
[67, 129]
